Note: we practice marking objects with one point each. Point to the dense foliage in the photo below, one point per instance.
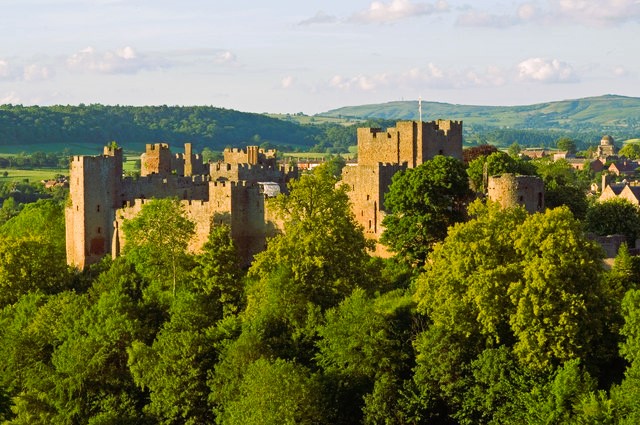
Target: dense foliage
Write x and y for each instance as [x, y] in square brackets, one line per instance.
[133, 127]
[512, 318]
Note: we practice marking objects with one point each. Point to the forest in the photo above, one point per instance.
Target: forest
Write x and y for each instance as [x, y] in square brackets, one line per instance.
[483, 316]
[58, 128]
[215, 128]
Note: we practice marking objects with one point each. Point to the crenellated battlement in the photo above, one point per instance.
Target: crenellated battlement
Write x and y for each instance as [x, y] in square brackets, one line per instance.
[211, 193]
[149, 147]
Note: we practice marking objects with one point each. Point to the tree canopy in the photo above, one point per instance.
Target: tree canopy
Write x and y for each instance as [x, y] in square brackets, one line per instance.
[510, 317]
[422, 203]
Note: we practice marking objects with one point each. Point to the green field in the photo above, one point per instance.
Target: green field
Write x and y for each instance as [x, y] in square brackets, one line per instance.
[306, 119]
[33, 175]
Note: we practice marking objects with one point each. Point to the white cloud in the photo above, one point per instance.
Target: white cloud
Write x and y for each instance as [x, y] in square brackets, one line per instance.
[120, 61]
[24, 72]
[396, 10]
[619, 71]
[35, 72]
[4, 69]
[319, 18]
[546, 71]
[287, 82]
[363, 83]
[432, 76]
[584, 12]
[10, 98]
[597, 12]
[527, 12]
[226, 57]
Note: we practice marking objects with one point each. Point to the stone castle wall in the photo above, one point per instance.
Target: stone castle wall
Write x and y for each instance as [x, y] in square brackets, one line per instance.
[100, 199]
[410, 142]
[252, 155]
[368, 185]
[253, 173]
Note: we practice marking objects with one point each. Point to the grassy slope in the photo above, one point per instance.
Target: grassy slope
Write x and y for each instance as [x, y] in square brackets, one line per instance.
[601, 111]
[33, 175]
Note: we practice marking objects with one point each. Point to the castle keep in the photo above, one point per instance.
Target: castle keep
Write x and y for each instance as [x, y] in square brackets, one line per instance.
[231, 192]
[383, 153]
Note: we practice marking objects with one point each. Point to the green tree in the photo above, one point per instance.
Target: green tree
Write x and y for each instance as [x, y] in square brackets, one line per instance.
[43, 218]
[422, 203]
[558, 299]
[217, 272]
[322, 251]
[614, 217]
[364, 352]
[558, 400]
[527, 286]
[277, 392]
[157, 239]
[625, 396]
[514, 149]
[174, 367]
[630, 150]
[566, 144]
[465, 285]
[335, 164]
[562, 185]
[31, 264]
[319, 259]
[494, 164]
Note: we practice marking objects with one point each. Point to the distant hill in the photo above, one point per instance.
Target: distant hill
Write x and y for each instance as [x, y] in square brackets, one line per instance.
[86, 128]
[133, 127]
[580, 118]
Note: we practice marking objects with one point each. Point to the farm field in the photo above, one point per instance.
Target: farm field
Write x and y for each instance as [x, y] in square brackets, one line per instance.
[32, 175]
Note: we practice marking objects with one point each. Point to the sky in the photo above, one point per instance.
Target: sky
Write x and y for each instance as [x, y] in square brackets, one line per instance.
[309, 56]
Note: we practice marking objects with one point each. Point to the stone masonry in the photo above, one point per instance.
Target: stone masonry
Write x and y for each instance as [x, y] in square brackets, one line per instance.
[230, 192]
[510, 190]
[382, 153]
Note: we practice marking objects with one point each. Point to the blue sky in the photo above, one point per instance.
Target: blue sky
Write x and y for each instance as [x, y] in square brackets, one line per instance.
[312, 56]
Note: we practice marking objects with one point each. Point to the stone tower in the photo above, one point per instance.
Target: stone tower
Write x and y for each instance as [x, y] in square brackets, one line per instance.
[382, 153]
[510, 190]
[156, 160]
[94, 184]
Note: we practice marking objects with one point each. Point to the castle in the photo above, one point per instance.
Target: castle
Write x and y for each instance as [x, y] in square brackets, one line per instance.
[231, 192]
[381, 154]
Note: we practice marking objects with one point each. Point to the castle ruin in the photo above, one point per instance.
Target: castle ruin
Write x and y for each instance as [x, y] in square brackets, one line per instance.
[381, 154]
[231, 192]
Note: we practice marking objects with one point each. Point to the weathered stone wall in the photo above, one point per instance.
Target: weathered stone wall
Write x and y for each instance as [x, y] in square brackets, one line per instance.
[93, 185]
[158, 186]
[101, 199]
[510, 190]
[252, 155]
[368, 184]
[157, 159]
[411, 142]
[443, 137]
